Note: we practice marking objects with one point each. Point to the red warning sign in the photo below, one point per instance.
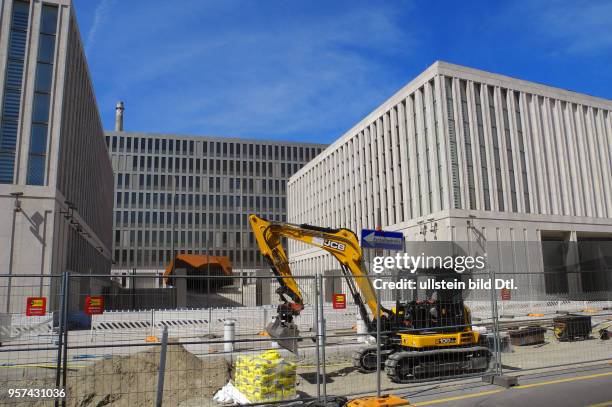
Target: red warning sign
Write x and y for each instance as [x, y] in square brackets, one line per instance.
[339, 301]
[506, 294]
[36, 306]
[94, 305]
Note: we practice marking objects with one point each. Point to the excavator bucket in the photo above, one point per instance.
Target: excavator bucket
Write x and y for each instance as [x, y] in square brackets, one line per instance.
[285, 334]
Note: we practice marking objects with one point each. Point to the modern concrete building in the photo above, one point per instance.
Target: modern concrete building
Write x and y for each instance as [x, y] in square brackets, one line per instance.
[56, 185]
[184, 194]
[468, 156]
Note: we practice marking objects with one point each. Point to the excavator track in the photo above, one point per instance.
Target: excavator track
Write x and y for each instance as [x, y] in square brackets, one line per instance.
[364, 359]
[411, 366]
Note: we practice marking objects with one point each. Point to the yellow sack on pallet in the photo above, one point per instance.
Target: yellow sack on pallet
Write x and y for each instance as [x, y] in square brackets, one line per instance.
[244, 361]
[287, 382]
[265, 377]
[262, 380]
[286, 368]
[261, 393]
[271, 355]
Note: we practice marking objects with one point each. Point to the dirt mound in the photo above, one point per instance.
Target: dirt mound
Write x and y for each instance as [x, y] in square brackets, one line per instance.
[131, 381]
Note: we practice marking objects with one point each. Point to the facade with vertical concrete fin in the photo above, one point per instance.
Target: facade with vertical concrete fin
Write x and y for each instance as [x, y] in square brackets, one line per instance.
[56, 185]
[187, 194]
[461, 154]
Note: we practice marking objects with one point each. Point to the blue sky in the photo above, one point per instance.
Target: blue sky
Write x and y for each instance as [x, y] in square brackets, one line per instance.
[309, 70]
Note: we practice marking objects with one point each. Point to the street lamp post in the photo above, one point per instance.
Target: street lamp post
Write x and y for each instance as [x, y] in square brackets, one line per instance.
[173, 260]
[17, 208]
[240, 249]
[173, 221]
[208, 284]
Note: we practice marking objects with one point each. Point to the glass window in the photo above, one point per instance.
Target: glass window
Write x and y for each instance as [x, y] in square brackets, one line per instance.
[11, 104]
[36, 170]
[41, 108]
[20, 15]
[14, 74]
[44, 75]
[46, 48]
[38, 142]
[48, 21]
[17, 44]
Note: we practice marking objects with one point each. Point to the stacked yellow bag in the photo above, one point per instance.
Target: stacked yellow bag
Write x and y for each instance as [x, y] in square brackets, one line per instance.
[265, 377]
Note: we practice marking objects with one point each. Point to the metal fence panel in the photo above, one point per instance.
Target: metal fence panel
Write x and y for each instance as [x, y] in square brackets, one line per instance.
[114, 357]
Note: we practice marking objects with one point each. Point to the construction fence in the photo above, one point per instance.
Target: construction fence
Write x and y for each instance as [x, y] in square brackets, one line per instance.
[69, 340]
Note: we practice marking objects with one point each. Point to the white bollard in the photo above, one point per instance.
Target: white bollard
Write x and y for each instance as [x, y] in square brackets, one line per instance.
[361, 330]
[229, 331]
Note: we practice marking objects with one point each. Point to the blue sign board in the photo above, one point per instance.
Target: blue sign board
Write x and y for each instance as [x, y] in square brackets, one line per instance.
[380, 239]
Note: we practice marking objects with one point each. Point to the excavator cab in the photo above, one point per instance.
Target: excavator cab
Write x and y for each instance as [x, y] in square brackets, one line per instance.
[432, 309]
[427, 310]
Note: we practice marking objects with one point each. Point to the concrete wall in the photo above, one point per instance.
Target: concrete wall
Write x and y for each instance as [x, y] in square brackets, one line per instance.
[46, 237]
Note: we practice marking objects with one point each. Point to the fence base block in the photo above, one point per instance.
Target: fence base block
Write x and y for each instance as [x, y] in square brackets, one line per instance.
[500, 380]
[387, 400]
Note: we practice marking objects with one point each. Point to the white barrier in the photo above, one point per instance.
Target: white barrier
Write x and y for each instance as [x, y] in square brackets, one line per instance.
[252, 320]
[28, 328]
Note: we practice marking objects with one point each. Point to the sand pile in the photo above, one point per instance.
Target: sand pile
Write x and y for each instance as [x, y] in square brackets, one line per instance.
[124, 381]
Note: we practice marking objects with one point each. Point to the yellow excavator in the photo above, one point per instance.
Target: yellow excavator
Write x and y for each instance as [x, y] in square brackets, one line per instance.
[424, 337]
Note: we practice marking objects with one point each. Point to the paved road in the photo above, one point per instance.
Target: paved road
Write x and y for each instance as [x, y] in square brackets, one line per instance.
[582, 388]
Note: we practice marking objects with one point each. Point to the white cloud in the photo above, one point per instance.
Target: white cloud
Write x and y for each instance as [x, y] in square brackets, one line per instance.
[100, 15]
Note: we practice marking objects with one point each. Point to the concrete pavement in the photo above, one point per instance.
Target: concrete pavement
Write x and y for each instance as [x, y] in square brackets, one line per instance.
[574, 388]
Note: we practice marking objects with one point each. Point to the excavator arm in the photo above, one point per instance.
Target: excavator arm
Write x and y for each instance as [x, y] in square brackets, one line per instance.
[340, 243]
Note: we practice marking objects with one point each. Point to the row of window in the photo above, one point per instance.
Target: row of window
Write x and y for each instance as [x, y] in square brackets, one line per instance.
[202, 166]
[42, 96]
[215, 184]
[189, 183]
[199, 202]
[124, 143]
[156, 258]
[12, 89]
[189, 241]
[187, 238]
[13, 92]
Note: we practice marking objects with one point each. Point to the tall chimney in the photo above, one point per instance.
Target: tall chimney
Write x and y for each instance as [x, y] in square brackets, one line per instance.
[119, 116]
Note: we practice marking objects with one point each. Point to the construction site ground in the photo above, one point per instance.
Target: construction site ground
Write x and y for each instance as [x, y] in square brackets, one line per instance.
[108, 357]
